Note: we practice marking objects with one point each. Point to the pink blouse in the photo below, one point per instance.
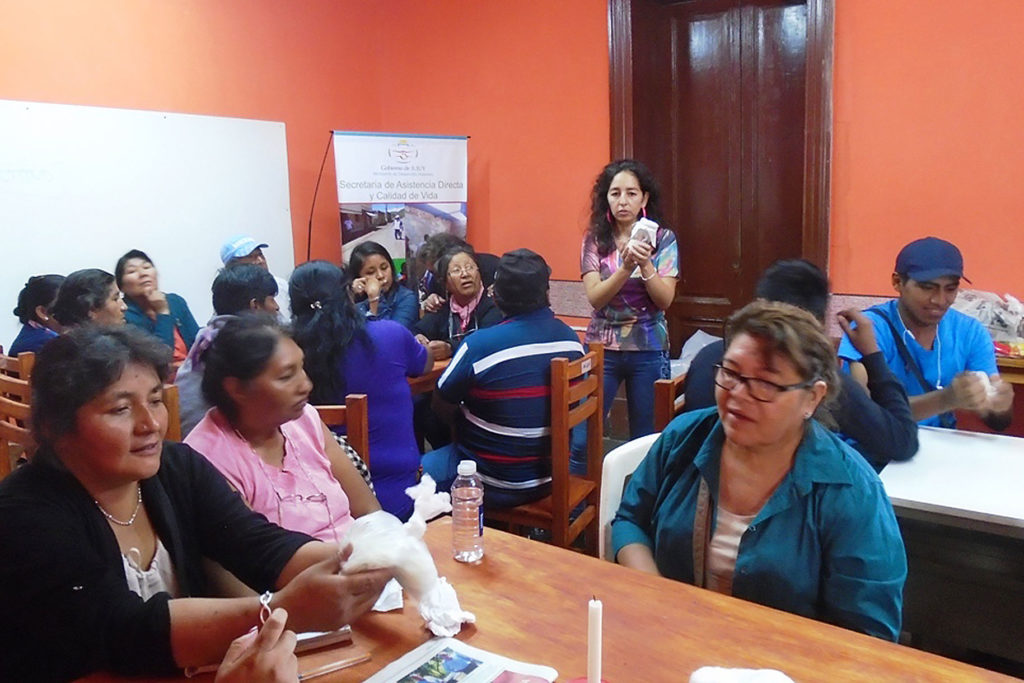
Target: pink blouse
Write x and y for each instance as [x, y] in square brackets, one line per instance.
[302, 495]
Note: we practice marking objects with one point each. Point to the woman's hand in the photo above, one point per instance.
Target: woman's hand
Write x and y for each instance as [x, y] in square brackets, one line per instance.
[639, 252]
[372, 288]
[439, 349]
[156, 300]
[433, 303]
[266, 656]
[638, 556]
[321, 599]
[358, 287]
[863, 336]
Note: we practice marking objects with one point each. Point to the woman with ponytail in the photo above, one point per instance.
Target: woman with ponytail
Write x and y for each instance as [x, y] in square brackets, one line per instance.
[347, 354]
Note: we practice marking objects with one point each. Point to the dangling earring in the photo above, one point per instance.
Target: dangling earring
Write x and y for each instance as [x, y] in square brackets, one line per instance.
[609, 214]
[643, 211]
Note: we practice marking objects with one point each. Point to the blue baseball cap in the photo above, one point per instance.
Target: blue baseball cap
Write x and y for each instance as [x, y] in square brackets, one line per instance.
[929, 258]
[239, 246]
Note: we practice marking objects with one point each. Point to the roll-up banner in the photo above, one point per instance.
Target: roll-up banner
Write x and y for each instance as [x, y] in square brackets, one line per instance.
[397, 189]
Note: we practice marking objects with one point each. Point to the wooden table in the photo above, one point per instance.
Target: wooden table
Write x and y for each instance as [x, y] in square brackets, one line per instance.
[428, 380]
[530, 600]
[1011, 369]
[961, 509]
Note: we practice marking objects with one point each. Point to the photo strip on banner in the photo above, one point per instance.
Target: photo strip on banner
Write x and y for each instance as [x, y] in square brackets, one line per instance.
[397, 189]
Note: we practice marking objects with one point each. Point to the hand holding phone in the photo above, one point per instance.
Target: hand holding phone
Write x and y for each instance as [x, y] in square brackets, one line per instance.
[645, 230]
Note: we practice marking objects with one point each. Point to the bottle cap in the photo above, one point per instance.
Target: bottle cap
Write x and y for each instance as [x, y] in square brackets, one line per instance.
[467, 468]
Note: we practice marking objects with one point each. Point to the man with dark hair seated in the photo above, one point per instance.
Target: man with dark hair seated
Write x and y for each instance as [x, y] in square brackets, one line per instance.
[944, 358]
[237, 289]
[500, 378]
[878, 425]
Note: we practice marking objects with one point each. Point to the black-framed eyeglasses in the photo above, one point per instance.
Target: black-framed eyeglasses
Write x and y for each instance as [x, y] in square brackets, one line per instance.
[759, 389]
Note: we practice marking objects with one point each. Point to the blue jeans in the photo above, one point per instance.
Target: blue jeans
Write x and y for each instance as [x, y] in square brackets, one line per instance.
[639, 370]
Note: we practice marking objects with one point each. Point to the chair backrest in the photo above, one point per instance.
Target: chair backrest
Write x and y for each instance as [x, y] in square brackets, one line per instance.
[173, 412]
[15, 431]
[20, 366]
[618, 465]
[577, 396]
[355, 417]
[668, 400]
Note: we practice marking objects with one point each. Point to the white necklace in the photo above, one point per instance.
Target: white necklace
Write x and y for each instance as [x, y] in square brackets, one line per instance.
[115, 520]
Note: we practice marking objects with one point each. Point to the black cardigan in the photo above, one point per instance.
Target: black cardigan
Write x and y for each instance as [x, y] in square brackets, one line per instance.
[65, 606]
[436, 326]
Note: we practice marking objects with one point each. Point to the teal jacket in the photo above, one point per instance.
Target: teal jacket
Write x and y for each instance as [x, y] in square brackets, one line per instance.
[826, 544]
[163, 327]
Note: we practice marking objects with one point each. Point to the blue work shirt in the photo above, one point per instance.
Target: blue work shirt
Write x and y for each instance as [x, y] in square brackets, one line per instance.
[399, 304]
[826, 544]
[961, 343]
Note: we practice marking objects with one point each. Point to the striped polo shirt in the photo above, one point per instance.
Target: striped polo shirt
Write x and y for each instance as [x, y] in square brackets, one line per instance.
[501, 376]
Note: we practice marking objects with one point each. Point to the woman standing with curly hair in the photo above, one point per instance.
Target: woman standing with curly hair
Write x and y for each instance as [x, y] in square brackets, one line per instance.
[629, 281]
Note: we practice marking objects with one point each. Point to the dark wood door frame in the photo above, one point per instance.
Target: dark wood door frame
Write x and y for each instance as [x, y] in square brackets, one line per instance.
[818, 117]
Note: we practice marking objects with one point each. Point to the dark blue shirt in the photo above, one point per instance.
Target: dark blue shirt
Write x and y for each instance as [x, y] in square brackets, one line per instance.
[502, 377]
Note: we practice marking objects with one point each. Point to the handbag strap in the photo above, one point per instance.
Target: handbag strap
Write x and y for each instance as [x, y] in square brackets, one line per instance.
[945, 419]
[701, 533]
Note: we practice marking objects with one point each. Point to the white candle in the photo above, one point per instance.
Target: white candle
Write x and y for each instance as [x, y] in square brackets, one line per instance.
[594, 642]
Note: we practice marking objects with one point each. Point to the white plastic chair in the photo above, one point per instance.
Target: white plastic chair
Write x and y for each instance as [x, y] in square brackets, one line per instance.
[618, 465]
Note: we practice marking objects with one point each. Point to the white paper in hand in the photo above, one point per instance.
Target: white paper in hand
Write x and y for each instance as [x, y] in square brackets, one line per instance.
[380, 541]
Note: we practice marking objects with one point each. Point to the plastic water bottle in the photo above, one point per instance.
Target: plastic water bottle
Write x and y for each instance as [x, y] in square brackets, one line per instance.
[467, 514]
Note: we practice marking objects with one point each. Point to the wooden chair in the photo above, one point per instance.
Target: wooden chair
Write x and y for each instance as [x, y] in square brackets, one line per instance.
[668, 400]
[20, 367]
[173, 412]
[577, 393]
[355, 416]
[15, 411]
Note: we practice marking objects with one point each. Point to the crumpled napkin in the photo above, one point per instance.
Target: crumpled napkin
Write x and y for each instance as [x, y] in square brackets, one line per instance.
[380, 541]
[718, 674]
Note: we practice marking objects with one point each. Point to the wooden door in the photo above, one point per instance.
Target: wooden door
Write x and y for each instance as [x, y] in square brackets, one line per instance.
[727, 102]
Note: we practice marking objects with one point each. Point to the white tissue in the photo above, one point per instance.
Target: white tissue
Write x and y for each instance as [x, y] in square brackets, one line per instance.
[990, 390]
[718, 674]
[380, 541]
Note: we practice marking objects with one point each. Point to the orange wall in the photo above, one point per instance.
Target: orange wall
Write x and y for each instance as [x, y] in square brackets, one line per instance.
[928, 138]
[527, 80]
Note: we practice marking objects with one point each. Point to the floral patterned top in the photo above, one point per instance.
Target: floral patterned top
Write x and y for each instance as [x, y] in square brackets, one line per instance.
[630, 321]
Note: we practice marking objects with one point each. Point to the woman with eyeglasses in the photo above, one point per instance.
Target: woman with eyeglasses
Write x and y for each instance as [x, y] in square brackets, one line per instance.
[758, 500]
[267, 440]
[468, 308]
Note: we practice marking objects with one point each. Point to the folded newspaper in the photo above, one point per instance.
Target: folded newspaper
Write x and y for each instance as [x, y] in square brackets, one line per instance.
[441, 660]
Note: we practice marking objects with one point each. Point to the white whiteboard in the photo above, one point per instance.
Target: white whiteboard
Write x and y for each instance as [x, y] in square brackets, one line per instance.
[79, 186]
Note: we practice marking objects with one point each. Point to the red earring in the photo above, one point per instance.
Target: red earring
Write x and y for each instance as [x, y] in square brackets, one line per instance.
[609, 212]
[643, 211]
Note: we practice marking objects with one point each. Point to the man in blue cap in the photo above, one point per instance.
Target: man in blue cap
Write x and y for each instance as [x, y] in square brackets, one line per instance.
[242, 250]
[944, 358]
